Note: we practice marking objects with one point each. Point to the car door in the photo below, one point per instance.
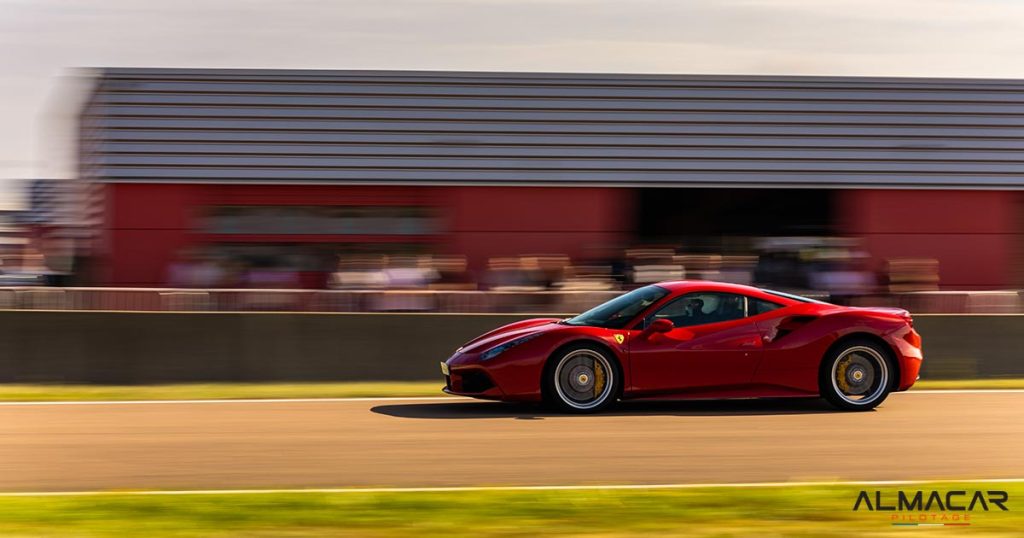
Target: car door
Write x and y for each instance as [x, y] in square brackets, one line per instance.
[713, 344]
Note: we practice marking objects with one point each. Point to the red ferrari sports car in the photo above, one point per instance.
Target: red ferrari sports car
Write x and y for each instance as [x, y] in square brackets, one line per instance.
[694, 339]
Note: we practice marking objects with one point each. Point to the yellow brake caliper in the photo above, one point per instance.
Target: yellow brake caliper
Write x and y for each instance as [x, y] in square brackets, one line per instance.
[841, 376]
[598, 378]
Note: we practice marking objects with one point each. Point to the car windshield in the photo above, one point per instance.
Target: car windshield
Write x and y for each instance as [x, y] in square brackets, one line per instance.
[615, 314]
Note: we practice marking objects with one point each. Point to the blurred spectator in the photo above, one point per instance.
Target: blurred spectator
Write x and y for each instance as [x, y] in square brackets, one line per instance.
[823, 266]
[590, 278]
[354, 272]
[195, 269]
[409, 272]
[265, 275]
[738, 269]
[385, 272]
[647, 265]
[832, 264]
[512, 273]
[13, 273]
[452, 274]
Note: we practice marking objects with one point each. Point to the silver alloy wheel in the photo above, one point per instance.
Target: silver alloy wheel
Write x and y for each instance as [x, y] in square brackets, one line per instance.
[584, 379]
[860, 375]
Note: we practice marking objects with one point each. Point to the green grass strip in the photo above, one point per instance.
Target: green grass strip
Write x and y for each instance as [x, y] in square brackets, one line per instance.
[825, 511]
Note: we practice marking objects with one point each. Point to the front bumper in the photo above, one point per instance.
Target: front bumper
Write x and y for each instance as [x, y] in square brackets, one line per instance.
[470, 380]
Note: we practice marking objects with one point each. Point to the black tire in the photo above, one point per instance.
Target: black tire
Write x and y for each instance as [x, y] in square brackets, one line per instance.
[581, 378]
[856, 375]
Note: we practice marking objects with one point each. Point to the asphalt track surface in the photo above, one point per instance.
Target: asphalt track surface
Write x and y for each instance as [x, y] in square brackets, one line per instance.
[458, 442]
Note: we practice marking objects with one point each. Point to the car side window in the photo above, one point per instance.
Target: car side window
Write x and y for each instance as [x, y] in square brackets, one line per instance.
[759, 306]
[701, 308]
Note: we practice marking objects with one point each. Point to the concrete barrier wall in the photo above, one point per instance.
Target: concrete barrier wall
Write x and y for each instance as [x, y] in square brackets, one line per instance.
[964, 346]
[116, 348]
[103, 347]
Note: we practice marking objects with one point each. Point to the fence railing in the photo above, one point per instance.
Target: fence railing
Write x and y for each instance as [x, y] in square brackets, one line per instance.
[234, 300]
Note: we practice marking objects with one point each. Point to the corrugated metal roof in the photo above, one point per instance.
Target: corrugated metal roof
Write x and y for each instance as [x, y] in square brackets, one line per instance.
[396, 127]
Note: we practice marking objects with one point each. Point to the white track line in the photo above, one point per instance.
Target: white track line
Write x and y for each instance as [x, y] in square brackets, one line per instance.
[395, 399]
[456, 489]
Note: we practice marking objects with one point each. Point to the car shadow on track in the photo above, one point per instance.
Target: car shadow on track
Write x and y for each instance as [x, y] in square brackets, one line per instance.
[478, 409]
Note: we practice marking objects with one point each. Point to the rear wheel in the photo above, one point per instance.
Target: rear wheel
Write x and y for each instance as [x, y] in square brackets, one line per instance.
[582, 378]
[856, 376]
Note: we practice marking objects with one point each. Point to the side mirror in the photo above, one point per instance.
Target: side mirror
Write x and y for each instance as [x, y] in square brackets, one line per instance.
[660, 325]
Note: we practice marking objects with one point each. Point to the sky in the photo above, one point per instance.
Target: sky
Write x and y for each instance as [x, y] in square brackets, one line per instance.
[44, 41]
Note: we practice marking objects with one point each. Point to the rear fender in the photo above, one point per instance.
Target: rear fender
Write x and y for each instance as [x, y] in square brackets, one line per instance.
[793, 359]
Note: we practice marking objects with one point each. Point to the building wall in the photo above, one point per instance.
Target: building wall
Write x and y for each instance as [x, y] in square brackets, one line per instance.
[149, 226]
[974, 235]
[585, 223]
[144, 227]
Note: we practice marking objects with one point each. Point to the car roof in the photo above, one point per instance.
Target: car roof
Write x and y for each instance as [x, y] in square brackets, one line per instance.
[687, 286]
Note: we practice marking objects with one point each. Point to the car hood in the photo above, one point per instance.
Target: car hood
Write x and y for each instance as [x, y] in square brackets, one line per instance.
[510, 332]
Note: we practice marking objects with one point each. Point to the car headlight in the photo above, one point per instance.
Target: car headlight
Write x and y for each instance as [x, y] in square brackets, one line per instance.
[498, 350]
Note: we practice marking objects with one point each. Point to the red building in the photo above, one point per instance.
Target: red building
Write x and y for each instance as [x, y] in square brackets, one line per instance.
[148, 226]
[313, 164]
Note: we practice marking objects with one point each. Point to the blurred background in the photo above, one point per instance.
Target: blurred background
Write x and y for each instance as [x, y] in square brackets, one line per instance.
[197, 147]
[552, 190]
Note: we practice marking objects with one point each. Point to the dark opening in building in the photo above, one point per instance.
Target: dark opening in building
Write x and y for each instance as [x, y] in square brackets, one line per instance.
[717, 220]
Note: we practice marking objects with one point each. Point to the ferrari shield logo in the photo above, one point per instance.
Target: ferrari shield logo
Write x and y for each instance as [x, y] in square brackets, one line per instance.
[619, 338]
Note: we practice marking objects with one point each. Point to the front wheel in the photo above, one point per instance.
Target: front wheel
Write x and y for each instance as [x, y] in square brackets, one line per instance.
[856, 376]
[581, 379]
